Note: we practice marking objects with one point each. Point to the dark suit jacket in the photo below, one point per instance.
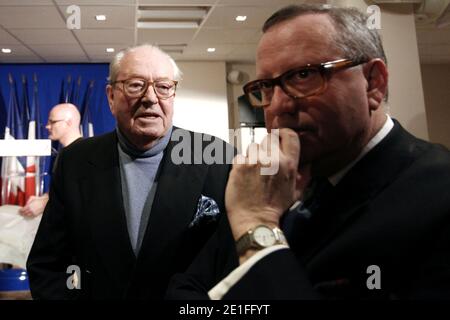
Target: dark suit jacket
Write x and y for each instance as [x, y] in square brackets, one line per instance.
[391, 210]
[84, 224]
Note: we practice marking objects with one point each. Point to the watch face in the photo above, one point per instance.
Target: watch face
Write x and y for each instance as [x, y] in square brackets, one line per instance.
[264, 236]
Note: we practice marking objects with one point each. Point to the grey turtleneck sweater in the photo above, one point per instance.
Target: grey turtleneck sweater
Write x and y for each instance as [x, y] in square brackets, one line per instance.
[138, 172]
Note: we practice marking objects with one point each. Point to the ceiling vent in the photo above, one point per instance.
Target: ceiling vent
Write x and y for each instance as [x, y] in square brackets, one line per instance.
[397, 1]
[427, 12]
[172, 48]
[433, 12]
[171, 17]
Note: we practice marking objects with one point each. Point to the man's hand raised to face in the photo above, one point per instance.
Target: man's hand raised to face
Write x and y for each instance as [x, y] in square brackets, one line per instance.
[252, 198]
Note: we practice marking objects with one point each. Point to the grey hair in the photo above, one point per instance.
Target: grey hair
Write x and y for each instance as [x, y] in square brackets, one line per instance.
[353, 37]
[115, 62]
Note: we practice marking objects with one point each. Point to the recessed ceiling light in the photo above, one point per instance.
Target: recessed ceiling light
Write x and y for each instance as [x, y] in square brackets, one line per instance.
[211, 49]
[110, 50]
[100, 17]
[241, 18]
[6, 50]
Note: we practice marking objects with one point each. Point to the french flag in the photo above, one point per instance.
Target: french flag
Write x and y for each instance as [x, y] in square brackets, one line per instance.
[86, 125]
[31, 169]
[13, 168]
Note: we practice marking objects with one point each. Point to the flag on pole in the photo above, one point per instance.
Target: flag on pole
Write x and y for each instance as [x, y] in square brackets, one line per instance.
[31, 169]
[13, 168]
[3, 117]
[40, 161]
[37, 111]
[76, 93]
[68, 93]
[86, 126]
[25, 110]
[61, 92]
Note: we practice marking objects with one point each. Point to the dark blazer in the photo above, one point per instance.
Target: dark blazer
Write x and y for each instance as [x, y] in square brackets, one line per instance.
[391, 210]
[84, 223]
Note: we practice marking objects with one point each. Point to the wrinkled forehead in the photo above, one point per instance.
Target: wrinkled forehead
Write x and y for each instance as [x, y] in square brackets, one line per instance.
[147, 63]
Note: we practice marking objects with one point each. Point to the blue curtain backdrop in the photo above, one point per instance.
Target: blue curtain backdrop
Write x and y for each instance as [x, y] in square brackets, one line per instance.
[50, 77]
[50, 80]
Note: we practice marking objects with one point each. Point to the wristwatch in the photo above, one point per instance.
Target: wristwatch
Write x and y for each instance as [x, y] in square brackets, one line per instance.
[259, 238]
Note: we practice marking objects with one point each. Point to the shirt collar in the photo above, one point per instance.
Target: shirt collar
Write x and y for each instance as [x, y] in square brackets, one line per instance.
[383, 132]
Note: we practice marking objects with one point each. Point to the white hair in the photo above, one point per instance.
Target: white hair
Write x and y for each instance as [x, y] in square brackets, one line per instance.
[115, 63]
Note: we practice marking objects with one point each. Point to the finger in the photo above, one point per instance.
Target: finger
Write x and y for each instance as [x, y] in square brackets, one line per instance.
[290, 143]
[252, 153]
[270, 143]
[24, 213]
[30, 199]
[24, 210]
[267, 157]
[239, 159]
[265, 143]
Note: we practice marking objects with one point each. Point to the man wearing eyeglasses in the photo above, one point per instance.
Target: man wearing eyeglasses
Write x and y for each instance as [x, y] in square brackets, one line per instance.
[373, 220]
[123, 215]
[63, 125]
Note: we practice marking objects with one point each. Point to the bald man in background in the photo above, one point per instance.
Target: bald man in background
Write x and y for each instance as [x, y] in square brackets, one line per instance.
[63, 125]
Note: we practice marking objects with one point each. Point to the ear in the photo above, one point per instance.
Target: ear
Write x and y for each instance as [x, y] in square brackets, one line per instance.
[376, 74]
[110, 95]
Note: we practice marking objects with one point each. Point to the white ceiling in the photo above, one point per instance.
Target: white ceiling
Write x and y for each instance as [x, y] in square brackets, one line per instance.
[36, 31]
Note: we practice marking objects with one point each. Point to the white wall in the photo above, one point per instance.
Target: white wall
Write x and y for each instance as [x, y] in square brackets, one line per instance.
[244, 136]
[249, 72]
[201, 100]
[398, 33]
[406, 99]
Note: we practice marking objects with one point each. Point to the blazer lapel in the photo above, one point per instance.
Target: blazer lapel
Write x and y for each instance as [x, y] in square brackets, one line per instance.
[103, 197]
[175, 202]
[363, 182]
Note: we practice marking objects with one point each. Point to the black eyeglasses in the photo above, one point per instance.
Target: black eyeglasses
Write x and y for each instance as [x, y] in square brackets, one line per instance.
[137, 87]
[297, 83]
[52, 122]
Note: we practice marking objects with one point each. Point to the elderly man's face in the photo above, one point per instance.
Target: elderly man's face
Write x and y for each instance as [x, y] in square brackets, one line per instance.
[332, 123]
[142, 120]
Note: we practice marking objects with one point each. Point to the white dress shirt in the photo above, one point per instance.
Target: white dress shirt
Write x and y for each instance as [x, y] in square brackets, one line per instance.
[219, 290]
